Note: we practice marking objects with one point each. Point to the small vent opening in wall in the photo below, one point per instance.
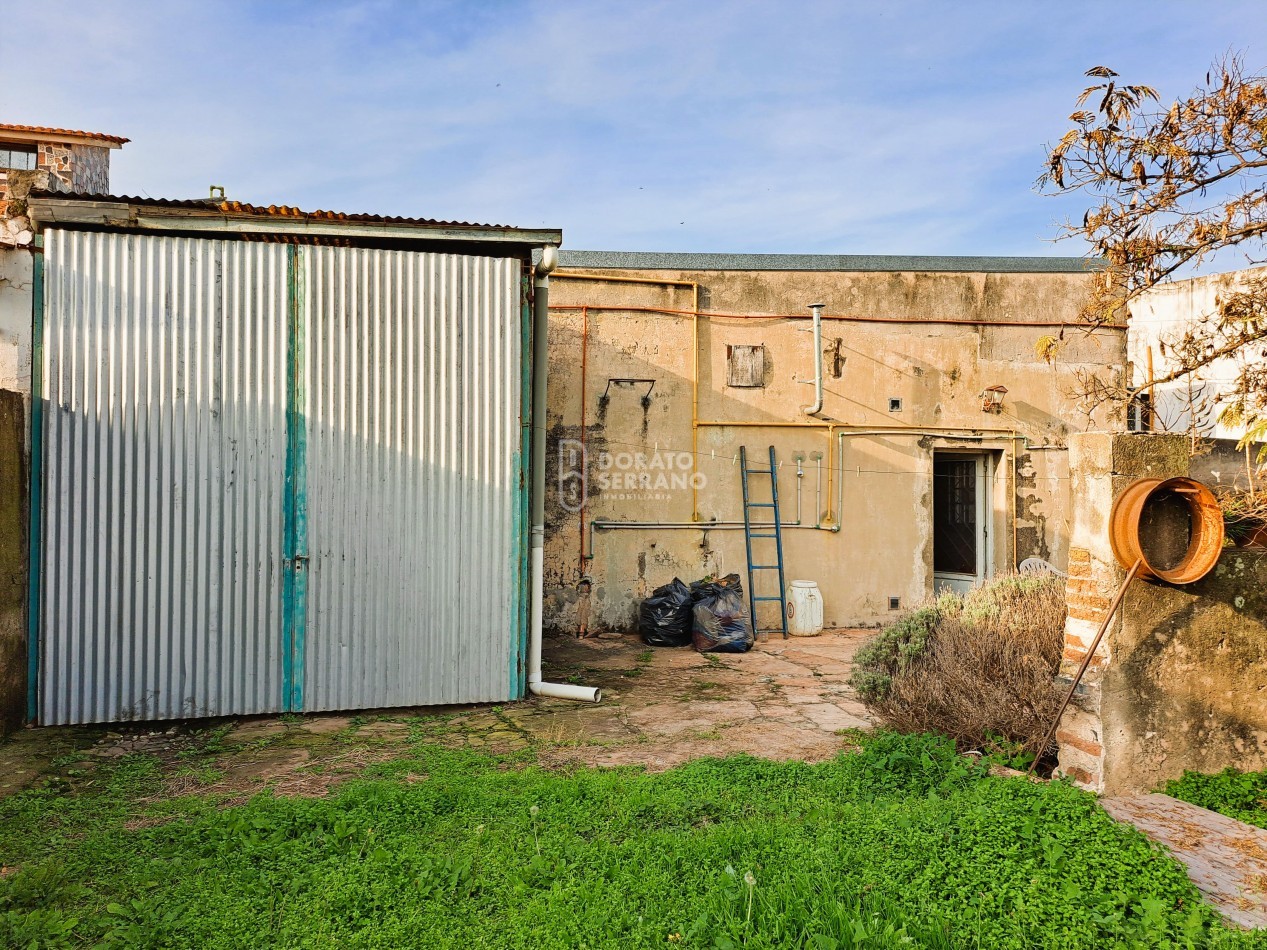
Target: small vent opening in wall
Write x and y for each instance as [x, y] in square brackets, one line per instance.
[895, 404]
[895, 603]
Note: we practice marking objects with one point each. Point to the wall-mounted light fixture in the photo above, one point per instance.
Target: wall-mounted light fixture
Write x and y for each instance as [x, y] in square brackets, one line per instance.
[992, 399]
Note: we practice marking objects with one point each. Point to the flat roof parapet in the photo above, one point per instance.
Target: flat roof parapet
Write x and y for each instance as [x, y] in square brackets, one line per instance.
[652, 260]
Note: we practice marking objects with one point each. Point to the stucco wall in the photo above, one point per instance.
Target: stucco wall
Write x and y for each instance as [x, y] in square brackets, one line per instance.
[883, 547]
[1180, 680]
[15, 319]
[13, 574]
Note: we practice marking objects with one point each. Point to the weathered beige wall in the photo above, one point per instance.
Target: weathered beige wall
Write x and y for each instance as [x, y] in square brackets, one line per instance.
[883, 547]
[16, 285]
[1187, 688]
[1180, 680]
[13, 574]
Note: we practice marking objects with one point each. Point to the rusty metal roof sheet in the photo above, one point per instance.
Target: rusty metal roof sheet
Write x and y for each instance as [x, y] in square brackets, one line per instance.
[244, 209]
[266, 222]
[76, 133]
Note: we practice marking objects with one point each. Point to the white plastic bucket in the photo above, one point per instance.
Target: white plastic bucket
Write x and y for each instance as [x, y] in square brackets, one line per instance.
[804, 609]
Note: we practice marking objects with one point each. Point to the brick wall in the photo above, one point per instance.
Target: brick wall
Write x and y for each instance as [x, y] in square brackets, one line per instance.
[1180, 679]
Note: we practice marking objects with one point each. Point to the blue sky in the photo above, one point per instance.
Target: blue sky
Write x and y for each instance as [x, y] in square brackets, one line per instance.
[797, 127]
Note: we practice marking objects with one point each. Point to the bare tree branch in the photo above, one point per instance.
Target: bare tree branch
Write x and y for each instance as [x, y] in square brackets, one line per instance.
[1172, 186]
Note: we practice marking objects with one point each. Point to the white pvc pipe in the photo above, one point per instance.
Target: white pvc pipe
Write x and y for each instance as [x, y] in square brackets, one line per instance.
[537, 686]
[540, 364]
[817, 310]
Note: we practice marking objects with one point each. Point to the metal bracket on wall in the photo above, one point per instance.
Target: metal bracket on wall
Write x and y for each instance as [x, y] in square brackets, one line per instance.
[620, 383]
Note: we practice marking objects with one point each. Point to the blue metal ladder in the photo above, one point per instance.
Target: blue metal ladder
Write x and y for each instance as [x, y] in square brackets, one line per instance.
[767, 530]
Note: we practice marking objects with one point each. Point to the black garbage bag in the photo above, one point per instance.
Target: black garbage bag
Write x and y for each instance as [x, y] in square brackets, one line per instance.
[664, 618]
[722, 624]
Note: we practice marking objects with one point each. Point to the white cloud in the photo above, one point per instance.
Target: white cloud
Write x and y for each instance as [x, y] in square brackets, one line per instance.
[814, 126]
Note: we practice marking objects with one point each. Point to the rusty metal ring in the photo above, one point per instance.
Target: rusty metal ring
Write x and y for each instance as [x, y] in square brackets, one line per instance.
[1205, 541]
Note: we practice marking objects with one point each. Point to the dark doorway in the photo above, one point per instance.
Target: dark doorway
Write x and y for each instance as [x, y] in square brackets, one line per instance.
[957, 525]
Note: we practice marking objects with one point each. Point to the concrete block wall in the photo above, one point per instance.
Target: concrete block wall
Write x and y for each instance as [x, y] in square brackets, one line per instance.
[1180, 679]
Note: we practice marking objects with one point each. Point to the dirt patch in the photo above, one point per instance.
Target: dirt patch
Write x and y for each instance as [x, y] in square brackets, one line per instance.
[661, 708]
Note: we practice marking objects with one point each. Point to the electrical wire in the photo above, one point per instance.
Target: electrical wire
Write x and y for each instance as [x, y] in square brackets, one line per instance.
[657, 448]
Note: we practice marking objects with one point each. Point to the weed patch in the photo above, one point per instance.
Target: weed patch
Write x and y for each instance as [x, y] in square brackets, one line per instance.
[1239, 795]
[904, 843]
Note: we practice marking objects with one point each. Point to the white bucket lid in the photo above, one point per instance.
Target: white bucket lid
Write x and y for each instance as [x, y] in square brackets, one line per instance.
[813, 584]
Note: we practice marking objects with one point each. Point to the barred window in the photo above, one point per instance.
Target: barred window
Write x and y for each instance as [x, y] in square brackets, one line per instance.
[19, 157]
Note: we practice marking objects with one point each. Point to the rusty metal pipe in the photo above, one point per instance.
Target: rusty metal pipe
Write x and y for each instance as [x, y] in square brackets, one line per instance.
[911, 321]
[1205, 541]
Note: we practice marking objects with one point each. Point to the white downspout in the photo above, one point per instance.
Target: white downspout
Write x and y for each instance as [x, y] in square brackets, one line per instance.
[540, 365]
[817, 310]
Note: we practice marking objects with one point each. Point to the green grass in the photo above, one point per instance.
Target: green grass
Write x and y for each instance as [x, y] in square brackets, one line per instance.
[1239, 795]
[902, 844]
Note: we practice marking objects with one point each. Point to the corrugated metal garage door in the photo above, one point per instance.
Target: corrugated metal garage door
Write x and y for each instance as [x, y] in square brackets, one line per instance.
[276, 478]
[164, 444]
[413, 463]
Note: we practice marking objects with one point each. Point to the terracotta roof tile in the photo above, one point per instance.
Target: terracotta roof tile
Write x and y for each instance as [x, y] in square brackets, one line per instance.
[46, 130]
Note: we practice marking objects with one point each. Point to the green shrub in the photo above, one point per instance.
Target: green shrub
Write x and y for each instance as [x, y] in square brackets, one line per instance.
[1007, 603]
[896, 646]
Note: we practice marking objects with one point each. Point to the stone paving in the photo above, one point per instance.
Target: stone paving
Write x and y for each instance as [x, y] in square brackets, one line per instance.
[786, 699]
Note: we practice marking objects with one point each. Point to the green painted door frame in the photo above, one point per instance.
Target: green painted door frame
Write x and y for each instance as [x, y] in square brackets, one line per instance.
[36, 491]
[295, 501]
